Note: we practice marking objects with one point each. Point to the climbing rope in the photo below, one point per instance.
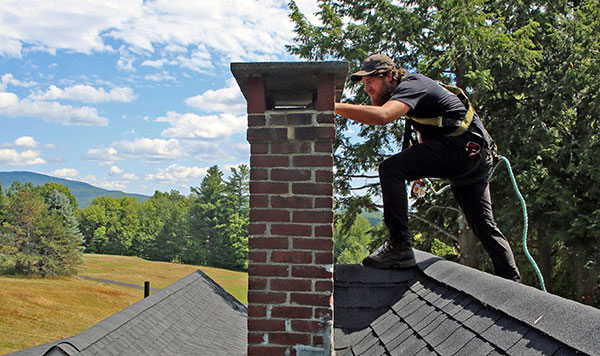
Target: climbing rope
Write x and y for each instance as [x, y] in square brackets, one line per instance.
[525, 219]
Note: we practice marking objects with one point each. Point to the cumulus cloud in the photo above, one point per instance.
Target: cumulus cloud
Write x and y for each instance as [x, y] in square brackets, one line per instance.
[70, 173]
[86, 94]
[10, 105]
[177, 174]
[8, 78]
[103, 156]
[147, 149]
[12, 157]
[129, 176]
[229, 99]
[114, 170]
[193, 126]
[26, 141]
[150, 29]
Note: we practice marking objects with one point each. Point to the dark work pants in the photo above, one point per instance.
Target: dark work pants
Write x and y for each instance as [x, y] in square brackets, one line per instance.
[446, 158]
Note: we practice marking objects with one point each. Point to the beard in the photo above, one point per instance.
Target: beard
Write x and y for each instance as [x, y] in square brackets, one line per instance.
[381, 98]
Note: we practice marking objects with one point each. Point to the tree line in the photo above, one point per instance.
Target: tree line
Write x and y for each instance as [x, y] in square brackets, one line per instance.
[43, 232]
[531, 69]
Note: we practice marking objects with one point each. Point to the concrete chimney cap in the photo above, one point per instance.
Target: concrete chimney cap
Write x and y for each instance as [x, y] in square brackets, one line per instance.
[291, 83]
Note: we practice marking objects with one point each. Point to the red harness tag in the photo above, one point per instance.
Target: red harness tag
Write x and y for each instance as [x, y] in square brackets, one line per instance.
[473, 150]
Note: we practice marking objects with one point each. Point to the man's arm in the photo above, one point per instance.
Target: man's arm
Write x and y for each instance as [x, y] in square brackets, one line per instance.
[373, 115]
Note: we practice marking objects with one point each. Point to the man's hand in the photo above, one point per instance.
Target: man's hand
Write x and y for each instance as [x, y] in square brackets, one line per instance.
[373, 115]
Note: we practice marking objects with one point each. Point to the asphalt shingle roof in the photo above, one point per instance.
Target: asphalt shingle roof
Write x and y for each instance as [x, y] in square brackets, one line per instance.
[193, 316]
[444, 308]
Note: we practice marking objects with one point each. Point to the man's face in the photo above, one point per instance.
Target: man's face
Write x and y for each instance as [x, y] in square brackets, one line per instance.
[379, 87]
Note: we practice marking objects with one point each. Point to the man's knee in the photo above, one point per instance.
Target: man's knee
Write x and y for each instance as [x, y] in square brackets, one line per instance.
[388, 168]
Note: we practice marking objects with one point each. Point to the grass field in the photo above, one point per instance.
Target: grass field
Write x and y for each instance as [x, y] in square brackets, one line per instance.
[35, 310]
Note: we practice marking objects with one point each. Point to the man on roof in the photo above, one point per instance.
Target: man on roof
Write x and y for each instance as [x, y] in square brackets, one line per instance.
[453, 144]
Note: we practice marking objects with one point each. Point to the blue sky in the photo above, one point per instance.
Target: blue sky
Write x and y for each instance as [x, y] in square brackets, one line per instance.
[131, 95]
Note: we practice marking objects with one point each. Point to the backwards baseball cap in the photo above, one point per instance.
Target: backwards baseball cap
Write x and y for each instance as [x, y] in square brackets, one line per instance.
[373, 64]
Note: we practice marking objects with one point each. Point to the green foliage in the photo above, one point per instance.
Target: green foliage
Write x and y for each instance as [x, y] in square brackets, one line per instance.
[39, 233]
[350, 244]
[531, 70]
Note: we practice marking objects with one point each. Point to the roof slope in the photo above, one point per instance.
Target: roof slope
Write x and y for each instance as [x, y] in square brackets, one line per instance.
[193, 316]
[444, 308]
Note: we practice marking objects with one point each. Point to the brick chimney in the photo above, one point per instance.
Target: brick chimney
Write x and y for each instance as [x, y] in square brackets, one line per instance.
[291, 129]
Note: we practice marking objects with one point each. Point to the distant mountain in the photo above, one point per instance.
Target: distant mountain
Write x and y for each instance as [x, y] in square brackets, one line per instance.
[84, 192]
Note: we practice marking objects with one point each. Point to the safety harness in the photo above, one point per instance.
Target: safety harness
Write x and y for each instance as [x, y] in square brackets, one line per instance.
[438, 121]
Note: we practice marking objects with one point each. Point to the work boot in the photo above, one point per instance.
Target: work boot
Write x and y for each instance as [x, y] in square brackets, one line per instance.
[391, 255]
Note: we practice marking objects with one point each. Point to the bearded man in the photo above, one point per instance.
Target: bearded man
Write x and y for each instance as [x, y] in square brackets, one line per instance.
[453, 144]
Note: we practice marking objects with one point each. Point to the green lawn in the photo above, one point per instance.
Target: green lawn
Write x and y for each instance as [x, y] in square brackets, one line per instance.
[35, 310]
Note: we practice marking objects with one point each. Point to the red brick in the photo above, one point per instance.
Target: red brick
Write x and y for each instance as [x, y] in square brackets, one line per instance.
[300, 119]
[259, 201]
[317, 340]
[259, 311]
[324, 147]
[291, 175]
[314, 133]
[326, 118]
[312, 189]
[257, 283]
[324, 230]
[292, 312]
[324, 203]
[324, 176]
[268, 243]
[313, 244]
[255, 95]
[291, 229]
[324, 286]
[313, 161]
[254, 256]
[324, 258]
[291, 257]
[289, 338]
[266, 298]
[268, 270]
[266, 134]
[269, 215]
[326, 92]
[306, 326]
[287, 285]
[256, 120]
[256, 338]
[267, 350]
[291, 147]
[312, 216]
[311, 272]
[268, 188]
[266, 325]
[293, 202]
[259, 174]
[259, 148]
[278, 120]
[269, 161]
[257, 229]
[322, 300]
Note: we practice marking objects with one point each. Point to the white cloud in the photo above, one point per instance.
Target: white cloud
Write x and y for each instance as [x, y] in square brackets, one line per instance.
[70, 173]
[114, 170]
[129, 176]
[12, 157]
[103, 156]
[8, 78]
[86, 94]
[192, 126]
[229, 29]
[26, 141]
[160, 77]
[229, 99]
[177, 174]
[10, 105]
[150, 150]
